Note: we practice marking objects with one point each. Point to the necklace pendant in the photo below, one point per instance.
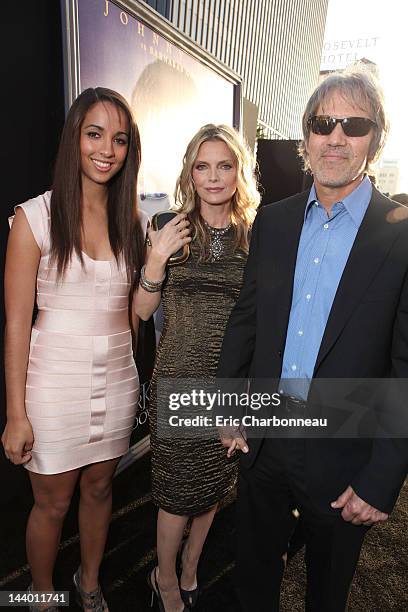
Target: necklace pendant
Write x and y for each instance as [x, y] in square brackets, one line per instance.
[216, 241]
[216, 248]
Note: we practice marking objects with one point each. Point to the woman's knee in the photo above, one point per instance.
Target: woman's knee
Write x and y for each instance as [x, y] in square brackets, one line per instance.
[96, 490]
[55, 507]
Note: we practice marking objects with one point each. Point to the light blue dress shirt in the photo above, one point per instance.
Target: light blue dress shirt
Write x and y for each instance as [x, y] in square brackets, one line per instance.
[324, 247]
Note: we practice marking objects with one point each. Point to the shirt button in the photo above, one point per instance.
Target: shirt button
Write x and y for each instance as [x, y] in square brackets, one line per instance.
[294, 367]
[308, 296]
[316, 260]
[300, 332]
[326, 226]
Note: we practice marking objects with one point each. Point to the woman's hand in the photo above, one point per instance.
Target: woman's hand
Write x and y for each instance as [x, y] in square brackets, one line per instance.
[172, 237]
[233, 439]
[161, 245]
[17, 440]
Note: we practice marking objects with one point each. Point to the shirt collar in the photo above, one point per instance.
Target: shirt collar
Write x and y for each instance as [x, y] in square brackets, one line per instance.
[356, 203]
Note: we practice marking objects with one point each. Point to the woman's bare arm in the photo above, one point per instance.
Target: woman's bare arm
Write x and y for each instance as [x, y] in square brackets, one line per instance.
[22, 260]
[164, 243]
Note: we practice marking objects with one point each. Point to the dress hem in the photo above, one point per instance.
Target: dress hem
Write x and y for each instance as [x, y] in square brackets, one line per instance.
[80, 464]
[190, 512]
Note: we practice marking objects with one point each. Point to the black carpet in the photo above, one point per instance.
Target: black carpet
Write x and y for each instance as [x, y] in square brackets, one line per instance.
[380, 585]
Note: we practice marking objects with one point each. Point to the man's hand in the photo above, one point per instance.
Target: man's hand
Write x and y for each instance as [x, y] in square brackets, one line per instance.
[233, 439]
[356, 510]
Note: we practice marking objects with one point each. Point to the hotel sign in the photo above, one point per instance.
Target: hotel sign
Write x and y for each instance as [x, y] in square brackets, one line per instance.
[337, 54]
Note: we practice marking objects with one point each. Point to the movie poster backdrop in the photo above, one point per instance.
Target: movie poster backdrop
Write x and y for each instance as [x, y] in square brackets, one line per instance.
[172, 87]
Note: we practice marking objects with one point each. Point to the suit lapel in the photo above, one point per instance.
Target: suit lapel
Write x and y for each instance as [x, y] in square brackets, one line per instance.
[372, 244]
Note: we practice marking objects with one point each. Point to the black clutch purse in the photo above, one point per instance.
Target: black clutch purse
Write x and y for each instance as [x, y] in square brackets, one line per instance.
[159, 220]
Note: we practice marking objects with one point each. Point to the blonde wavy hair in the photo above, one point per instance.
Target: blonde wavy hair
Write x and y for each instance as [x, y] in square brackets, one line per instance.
[245, 200]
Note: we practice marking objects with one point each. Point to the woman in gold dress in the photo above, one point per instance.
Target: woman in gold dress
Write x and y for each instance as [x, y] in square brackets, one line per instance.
[217, 198]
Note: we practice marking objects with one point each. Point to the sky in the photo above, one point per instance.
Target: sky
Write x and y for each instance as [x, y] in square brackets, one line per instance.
[378, 31]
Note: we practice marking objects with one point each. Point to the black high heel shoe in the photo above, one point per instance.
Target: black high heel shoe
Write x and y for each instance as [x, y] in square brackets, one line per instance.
[156, 592]
[190, 598]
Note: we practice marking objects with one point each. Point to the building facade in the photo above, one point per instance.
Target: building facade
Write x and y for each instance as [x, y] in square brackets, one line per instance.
[388, 176]
[274, 45]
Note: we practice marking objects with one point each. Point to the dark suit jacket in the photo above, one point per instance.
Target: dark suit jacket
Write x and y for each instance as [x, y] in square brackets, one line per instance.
[366, 336]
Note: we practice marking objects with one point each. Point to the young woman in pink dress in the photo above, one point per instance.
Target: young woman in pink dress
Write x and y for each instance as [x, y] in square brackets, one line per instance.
[72, 384]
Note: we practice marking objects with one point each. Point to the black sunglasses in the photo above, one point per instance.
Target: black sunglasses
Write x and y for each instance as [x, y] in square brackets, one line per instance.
[352, 126]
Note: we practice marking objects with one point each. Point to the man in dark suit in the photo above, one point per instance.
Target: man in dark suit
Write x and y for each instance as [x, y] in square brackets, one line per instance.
[325, 296]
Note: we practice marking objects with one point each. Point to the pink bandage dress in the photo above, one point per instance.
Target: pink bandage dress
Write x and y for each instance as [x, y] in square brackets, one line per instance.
[82, 384]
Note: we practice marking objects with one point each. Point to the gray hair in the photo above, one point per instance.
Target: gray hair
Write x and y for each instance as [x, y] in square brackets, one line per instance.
[360, 87]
